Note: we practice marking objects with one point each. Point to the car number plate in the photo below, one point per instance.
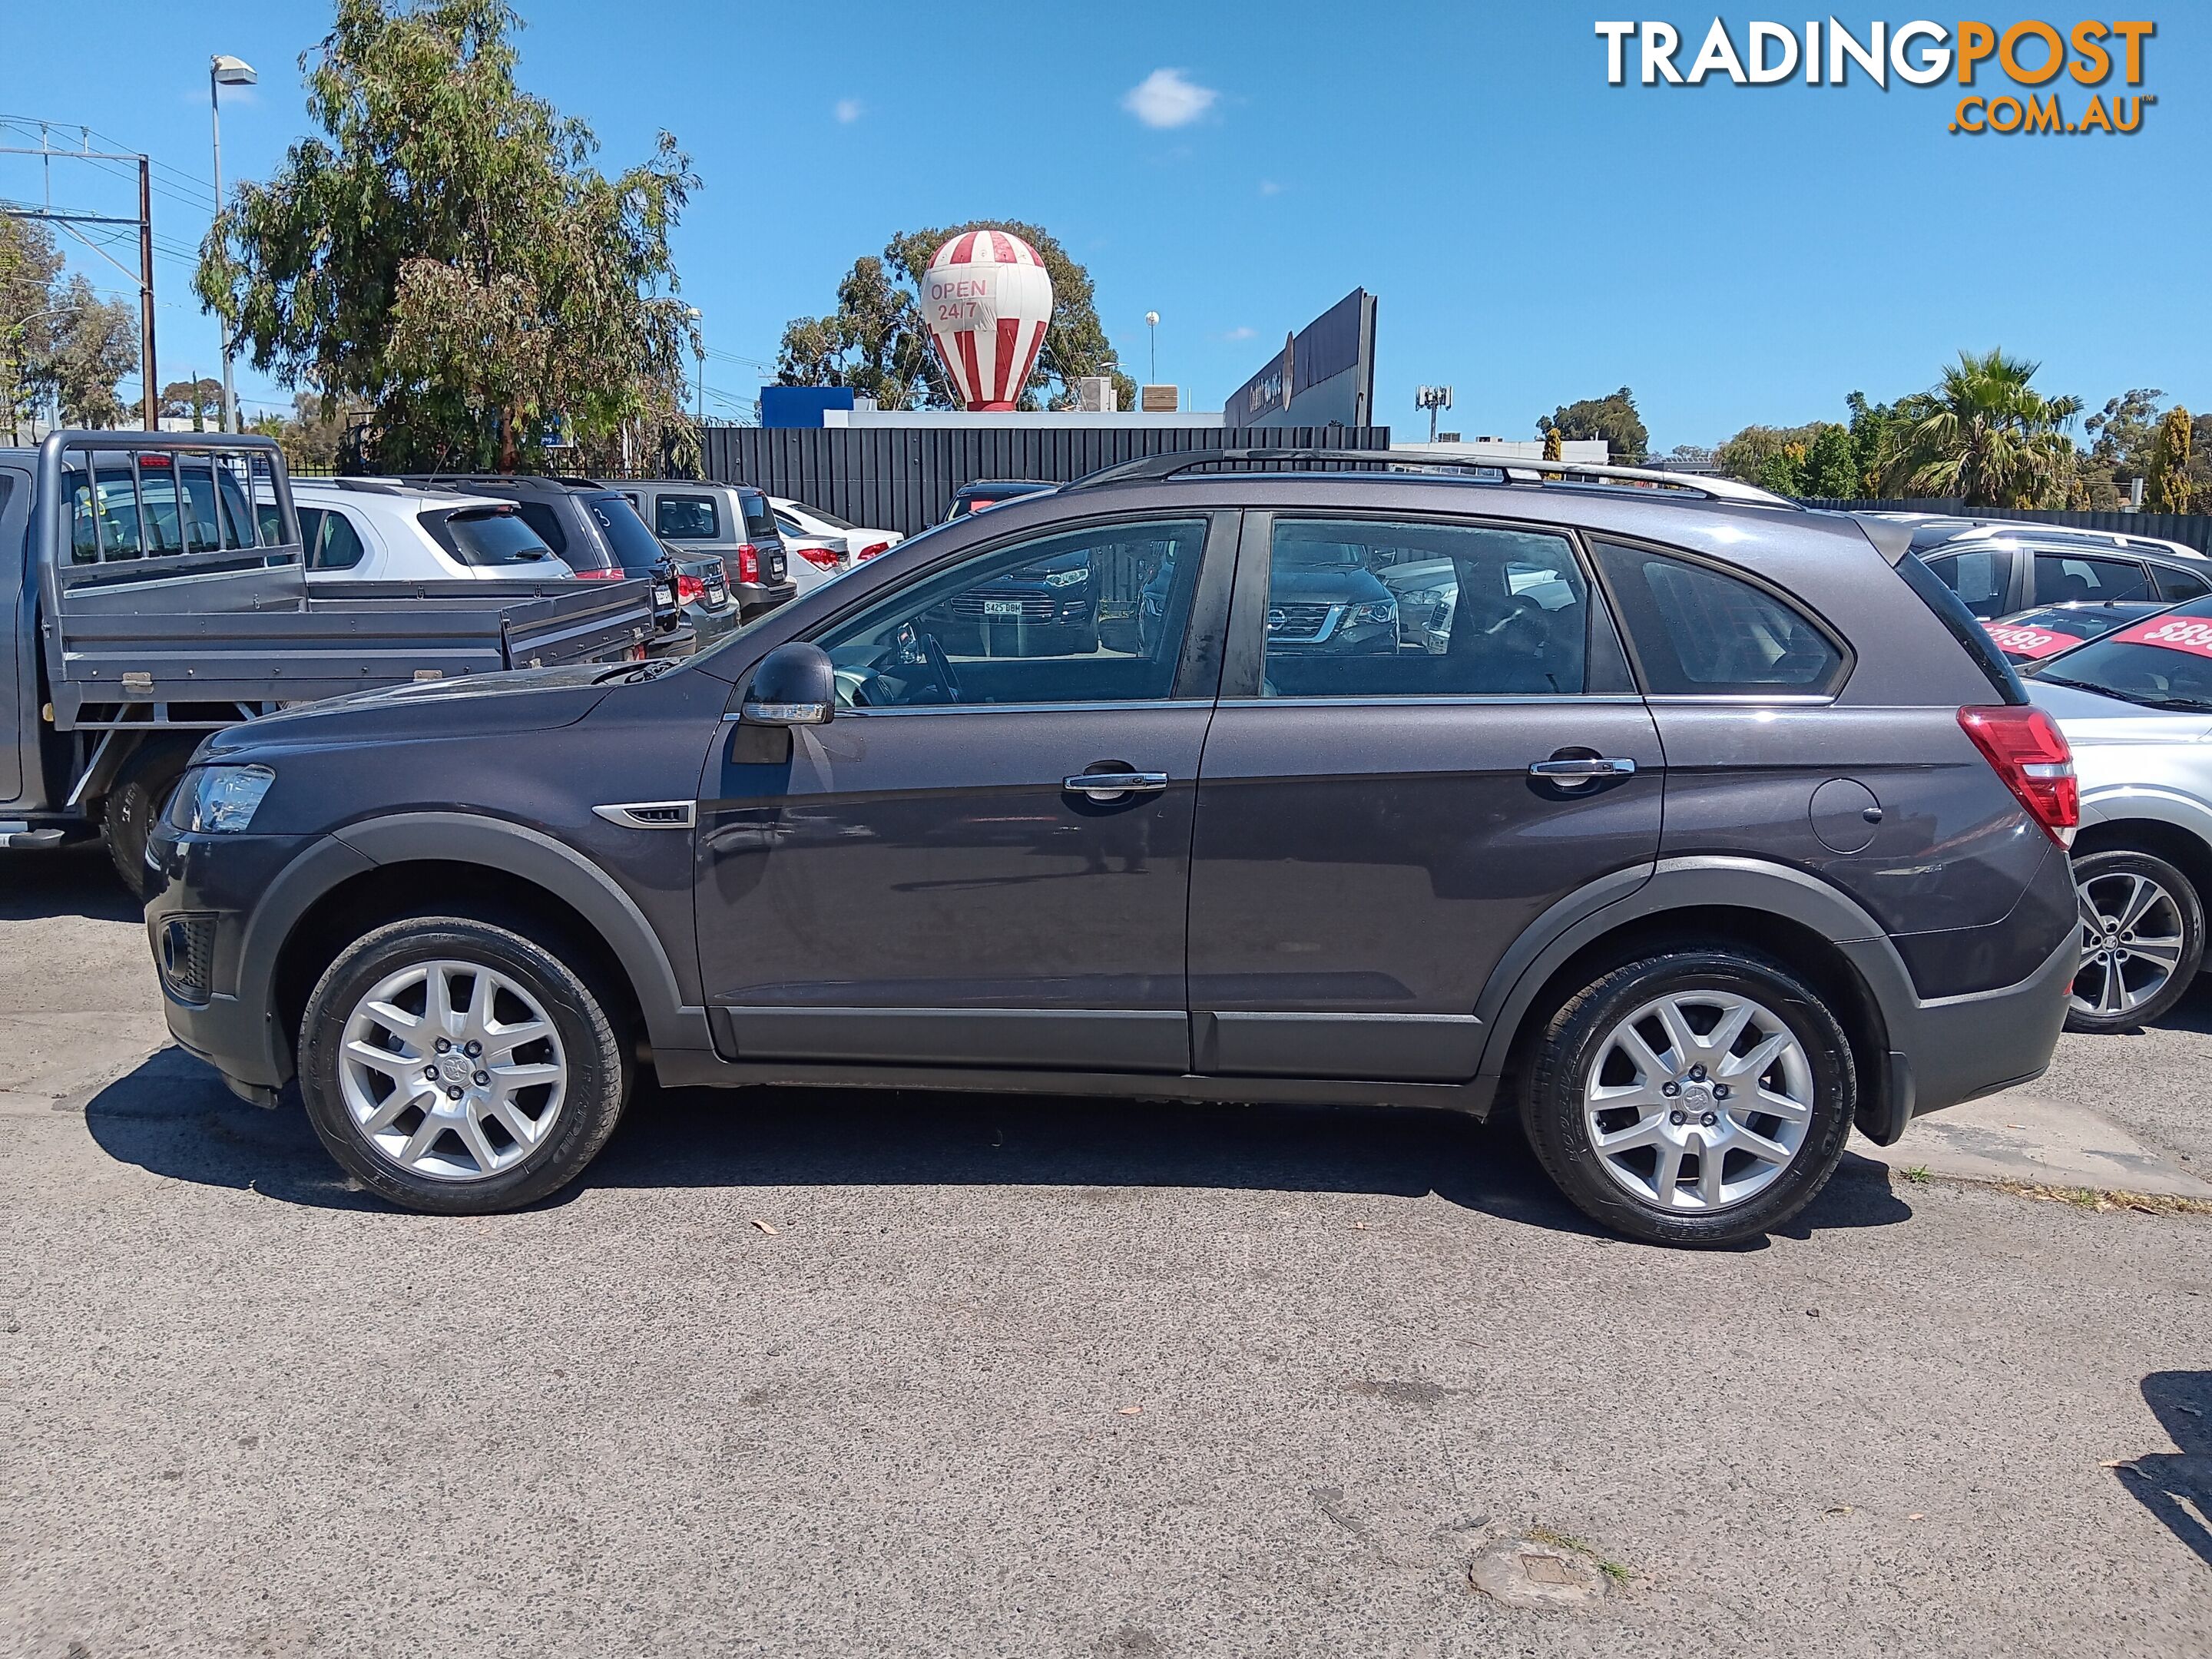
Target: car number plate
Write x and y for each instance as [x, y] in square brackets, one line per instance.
[663, 594]
[1002, 607]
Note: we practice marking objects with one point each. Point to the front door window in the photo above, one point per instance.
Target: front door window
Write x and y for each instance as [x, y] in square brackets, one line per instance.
[1093, 616]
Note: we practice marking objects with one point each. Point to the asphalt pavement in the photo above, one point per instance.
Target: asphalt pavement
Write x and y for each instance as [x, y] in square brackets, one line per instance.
[912, 1374]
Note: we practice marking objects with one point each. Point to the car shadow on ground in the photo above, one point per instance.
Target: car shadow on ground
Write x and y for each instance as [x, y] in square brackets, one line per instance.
[74, 881]
[2176, 1486]
[172, 1116]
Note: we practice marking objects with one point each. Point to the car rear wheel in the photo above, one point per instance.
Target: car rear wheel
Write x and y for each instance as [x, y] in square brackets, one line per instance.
[1699, 1097]
[454, 1066]
[2143, 940]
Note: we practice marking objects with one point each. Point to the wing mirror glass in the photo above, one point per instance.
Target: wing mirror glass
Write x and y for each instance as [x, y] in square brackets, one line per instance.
[793, 686]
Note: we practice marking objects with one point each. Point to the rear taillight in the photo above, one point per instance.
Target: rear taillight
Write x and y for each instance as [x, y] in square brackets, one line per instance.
[748, 562]
[874, 548]
[824, 558]
[689, 590]
[2027, 751]
[598, 576]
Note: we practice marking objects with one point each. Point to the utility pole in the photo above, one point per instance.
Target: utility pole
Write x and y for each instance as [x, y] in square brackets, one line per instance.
[150, 403]
[149, 380]
[224, 70]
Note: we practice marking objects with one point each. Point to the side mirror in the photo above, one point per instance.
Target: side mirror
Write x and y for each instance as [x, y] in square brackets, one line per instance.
[793, 686]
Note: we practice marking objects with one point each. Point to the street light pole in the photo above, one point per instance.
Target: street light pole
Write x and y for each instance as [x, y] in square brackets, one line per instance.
[1152, 332]
[224, 71]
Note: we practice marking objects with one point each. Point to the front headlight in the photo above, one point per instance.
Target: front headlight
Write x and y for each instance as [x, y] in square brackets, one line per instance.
[1375, 611]
[1066, 578]
[221, 799]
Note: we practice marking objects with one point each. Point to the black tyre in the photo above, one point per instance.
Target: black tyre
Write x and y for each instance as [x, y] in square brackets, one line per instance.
[454, 1066]
[134, 803]
[1700, 1097]
[2143, 940]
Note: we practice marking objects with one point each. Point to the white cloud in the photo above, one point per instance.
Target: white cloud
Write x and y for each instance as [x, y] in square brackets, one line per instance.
[1166, 99]
[1269, 187]
[1240, 334]
[848, 111]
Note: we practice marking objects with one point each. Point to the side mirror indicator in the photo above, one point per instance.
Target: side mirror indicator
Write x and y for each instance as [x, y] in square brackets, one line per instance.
[793, 686]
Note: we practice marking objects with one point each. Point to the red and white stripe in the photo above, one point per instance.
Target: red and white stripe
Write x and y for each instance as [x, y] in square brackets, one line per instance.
[986, 299]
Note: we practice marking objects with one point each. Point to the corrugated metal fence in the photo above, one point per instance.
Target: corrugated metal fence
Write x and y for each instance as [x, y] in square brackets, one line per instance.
[903, 477]
[2193, 528]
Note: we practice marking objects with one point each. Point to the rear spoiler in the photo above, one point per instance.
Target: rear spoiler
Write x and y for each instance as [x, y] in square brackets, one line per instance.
[1891, 539]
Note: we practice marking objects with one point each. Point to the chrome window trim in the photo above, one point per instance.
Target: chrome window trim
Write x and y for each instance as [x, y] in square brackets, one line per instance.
[1471, 699]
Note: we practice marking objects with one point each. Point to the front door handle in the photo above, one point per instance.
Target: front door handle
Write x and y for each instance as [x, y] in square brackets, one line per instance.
[1580, 771]
[1112, 786]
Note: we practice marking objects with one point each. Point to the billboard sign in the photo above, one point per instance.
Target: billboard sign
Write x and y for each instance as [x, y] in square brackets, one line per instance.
[1324, 375]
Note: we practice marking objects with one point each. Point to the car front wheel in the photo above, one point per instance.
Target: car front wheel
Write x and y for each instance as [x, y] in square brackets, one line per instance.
[1699, 1097]
[2143, 940]
[457, 1068]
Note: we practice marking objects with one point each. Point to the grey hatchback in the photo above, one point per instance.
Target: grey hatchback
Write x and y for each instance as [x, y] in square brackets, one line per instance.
[1744, 835]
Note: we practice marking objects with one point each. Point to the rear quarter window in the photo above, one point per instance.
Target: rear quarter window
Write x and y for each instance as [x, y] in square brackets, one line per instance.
[1964, 626]
[1697, 631]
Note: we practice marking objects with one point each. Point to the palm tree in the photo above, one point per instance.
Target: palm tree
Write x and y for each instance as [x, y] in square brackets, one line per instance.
[1984, 434]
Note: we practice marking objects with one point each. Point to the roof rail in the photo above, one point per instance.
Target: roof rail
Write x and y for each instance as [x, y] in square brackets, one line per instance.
[1509, 470]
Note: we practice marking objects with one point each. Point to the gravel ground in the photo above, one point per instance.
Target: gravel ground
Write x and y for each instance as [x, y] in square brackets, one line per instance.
[1045, 1377]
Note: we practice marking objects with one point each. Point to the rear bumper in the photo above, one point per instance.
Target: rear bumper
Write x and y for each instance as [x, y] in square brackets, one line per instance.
[1946, 1050]
[756, 598]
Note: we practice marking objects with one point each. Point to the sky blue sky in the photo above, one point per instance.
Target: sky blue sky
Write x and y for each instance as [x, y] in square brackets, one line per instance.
[1733, 253]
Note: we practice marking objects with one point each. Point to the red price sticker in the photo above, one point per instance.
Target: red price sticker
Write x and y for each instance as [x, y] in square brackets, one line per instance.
[2015, 640]
[2190, 634]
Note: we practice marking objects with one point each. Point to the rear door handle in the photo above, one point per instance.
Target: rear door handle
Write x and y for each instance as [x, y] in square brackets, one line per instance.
[1576, 771]
[1112, 786]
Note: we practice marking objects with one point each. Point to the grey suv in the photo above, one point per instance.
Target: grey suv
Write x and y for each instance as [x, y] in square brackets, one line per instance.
[1750, 836]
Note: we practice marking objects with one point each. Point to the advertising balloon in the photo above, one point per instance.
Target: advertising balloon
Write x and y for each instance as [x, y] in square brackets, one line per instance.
[987, 300]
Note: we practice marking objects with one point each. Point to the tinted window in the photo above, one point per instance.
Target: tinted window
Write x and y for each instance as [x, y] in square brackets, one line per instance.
[338, 547]
[625, 533]
[487, 536]
[542, 517]
[1697, 632]
[2180, 585]
[1982, 579]
[2060, 577]
[213, 516]
[1091, 616]
[1406, 608]
[686, 518]
[760, 520]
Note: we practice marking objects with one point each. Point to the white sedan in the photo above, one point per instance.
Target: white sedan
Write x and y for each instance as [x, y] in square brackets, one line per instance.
[799, 521]
[2137, 708]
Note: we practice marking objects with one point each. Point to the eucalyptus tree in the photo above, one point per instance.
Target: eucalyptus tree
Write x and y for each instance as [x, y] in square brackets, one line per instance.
[445, 252]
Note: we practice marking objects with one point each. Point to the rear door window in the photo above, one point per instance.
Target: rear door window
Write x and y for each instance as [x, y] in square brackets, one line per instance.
[2060, 577]
[686, 518]
[1983, 579]
[338, 546]
[2181, 584]
[1697, 631]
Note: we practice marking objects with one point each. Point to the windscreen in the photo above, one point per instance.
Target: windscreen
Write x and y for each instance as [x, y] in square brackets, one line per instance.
[495, 535]
[634, 545]
[2163, 662]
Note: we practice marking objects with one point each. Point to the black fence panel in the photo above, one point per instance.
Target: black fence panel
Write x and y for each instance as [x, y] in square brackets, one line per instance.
[903, 477]
[2193, 529]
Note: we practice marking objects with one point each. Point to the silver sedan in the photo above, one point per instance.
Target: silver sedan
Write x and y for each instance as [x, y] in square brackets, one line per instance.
[2136, 707]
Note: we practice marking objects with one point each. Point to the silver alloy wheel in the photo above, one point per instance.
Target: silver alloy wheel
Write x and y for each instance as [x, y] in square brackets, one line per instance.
[2132, 941]
[452, 1071]
[1698, 1101]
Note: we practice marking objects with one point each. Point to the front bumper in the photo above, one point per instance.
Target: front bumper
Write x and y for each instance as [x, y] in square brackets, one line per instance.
[215, 968]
